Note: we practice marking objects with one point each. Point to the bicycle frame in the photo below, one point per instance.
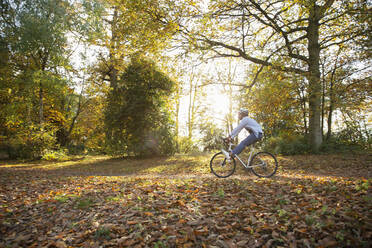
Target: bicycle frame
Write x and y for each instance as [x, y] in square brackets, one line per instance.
[265, 161]
[249, 158]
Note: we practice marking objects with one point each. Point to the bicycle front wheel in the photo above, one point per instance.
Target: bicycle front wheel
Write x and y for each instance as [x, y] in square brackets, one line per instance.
[221, 167]
[264, 164]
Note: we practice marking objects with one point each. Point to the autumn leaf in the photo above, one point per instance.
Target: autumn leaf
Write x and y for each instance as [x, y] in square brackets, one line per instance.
[67, 208]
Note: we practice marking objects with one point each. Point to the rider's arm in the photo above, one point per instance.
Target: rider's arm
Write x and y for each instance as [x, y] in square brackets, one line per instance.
[237, 130]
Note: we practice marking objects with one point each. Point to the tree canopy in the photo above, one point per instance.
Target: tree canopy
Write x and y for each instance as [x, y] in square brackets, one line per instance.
[150, 77]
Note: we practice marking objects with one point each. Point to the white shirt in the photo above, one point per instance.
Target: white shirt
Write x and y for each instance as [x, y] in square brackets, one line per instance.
[249, 124]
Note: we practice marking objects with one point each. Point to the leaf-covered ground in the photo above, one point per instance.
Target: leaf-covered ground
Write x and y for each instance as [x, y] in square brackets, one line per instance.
[313, 201]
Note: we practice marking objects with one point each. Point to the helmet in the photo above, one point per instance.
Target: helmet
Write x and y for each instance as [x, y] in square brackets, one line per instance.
[243, 111]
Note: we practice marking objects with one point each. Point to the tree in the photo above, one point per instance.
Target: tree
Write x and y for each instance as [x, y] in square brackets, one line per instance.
[34, 34]
[288, 36]
[346, 87]
[42, 28]
[274, 102]
[138, 111]
[211, 136]
[123, 28]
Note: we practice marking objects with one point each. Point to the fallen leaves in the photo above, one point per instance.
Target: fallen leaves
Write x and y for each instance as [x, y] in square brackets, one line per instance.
[67, 209]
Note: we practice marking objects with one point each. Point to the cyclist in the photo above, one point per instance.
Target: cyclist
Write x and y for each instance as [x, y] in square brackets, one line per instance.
[251, 126]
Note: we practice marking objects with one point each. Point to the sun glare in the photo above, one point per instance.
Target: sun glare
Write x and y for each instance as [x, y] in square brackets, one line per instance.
[220, 104]
[217, 107]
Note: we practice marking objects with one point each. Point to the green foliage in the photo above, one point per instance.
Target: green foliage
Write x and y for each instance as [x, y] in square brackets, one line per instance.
[102, 233]
[84, 203]
[287, 144]
[76, 149]
[362, 185]
[137, 117]
[41, 32]
[211, 139]
[275, 102]
[55, 155]
[348, 140]
[34, 92]
[186, 146]
[31, 142]
[221, 193]
[160, 244]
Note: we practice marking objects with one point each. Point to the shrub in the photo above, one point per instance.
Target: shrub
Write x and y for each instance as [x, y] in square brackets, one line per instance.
[211, 136]
[287, 144]
[186, 146]
[76, 149]
[32, 142]
[337, 145]
[55, 155]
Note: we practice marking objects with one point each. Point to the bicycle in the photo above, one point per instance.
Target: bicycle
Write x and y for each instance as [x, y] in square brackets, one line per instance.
[262, 164]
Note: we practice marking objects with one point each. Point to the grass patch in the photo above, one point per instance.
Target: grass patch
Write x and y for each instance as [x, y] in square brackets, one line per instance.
[113, 198]
[102, 233]
[64, 197]
[84, 203]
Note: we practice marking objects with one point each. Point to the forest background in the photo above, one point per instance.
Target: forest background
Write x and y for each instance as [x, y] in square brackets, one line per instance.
[156, 77]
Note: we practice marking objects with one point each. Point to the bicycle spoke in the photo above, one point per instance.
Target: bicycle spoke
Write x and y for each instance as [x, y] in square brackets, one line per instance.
[264, 164]
[221, 167]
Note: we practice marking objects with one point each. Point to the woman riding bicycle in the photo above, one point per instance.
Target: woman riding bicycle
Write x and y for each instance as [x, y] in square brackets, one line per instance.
[251, 126]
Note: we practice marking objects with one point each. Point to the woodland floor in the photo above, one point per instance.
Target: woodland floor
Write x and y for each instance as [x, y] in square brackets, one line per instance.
[313, 201]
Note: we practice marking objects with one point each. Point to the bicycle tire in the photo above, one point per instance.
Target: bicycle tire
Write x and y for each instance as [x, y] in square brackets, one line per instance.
[268, 162]
[218, 165]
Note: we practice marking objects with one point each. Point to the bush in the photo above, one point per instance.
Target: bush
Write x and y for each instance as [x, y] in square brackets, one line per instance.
[186, 146]
[20, 151]
[211, 136]
[292, 144]
[337, 145]
[32, 142]
[287, 144]
[76, 149]
[55, 155]
[157, 143]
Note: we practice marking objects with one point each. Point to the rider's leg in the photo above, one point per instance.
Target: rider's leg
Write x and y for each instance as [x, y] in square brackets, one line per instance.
[246, 142]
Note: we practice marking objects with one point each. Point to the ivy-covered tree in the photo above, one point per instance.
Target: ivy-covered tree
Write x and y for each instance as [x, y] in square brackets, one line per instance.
[138, 112]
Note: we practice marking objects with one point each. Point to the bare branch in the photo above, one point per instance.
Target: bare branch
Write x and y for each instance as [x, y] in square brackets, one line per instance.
[232, 84]
[250, 58]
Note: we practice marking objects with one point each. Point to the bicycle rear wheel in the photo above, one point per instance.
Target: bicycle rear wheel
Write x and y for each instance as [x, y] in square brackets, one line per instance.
[221, 167]
[264, 164]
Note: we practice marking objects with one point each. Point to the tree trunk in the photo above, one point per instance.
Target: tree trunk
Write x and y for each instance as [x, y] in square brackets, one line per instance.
[193, 95]
[192, 99]
[329, 133]
[113, 70]
[330, 113]
[41, 104]
[331, 98]
[301, 93]
[230, 114]
[178, 102]
[190, 112]
[112, 67]
[72, 125]
[323, 101]
[315, 133]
